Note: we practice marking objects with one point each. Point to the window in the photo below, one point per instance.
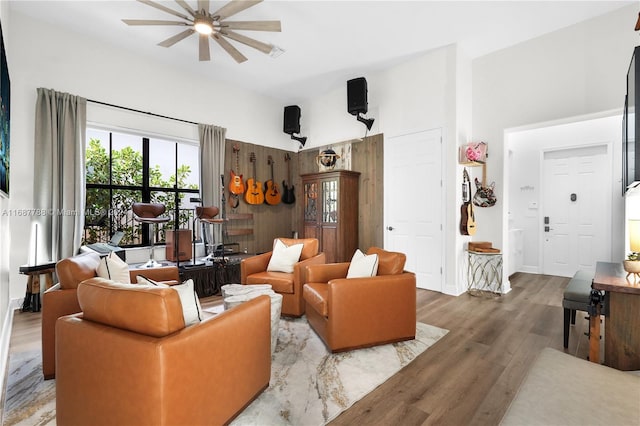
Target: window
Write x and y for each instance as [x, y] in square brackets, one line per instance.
[122, 169]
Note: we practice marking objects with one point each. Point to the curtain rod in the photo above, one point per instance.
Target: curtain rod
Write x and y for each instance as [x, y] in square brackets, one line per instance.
[141, 112]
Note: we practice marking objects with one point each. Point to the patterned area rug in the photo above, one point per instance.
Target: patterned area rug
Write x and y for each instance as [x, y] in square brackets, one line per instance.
[308, 385]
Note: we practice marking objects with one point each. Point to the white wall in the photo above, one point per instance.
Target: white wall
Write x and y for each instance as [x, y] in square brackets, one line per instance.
[429, 91]
[572, 72]
[42, 55]
[525, 149]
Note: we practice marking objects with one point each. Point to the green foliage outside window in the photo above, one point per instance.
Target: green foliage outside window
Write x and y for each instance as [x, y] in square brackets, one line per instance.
[109, 199]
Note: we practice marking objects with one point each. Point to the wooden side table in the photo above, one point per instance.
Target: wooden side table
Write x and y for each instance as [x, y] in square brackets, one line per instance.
[31, 301]
[622, 323]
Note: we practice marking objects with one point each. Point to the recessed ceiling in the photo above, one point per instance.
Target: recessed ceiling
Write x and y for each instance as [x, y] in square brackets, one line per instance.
[324, 42]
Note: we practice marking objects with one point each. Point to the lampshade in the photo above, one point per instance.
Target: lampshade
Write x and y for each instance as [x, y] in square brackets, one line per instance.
[634, 235]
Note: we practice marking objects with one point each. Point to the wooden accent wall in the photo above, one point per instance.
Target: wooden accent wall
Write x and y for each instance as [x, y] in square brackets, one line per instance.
[282, 220]
[269, 222]
[367, 156]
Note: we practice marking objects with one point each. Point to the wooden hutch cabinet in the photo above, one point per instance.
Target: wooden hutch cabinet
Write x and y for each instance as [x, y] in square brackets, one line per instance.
[330, 212]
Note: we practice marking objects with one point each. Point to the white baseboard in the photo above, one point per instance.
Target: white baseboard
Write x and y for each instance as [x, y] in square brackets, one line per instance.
[5, 340]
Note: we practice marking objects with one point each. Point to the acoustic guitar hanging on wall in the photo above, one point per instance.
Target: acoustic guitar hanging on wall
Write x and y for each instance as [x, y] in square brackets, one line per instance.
[254, 194]
[272, 194]
[467, 219]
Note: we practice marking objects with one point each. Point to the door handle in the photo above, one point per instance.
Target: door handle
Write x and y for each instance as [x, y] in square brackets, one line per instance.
[390, 228]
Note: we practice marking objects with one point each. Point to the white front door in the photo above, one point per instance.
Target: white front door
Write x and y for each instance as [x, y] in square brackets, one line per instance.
[577, 206]
[414, 202]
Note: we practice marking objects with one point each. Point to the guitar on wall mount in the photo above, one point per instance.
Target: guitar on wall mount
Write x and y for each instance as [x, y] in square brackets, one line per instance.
[467, 218]
[289, 196]
[272, 193]
[254, 193]
[236, 186]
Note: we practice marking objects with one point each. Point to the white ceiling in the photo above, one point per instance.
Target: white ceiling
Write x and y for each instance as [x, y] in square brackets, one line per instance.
[325, 42]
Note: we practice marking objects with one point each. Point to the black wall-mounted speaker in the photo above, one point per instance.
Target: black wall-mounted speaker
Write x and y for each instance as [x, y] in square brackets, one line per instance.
[357, 96]
[291, 119]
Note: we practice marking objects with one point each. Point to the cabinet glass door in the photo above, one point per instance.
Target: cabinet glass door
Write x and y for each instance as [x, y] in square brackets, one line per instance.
[310, 198]
[330, 201]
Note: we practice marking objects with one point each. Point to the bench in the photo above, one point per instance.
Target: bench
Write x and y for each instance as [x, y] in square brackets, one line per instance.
[577, 297]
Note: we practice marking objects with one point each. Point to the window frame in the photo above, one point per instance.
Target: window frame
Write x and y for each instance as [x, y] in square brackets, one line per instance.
[145, 189]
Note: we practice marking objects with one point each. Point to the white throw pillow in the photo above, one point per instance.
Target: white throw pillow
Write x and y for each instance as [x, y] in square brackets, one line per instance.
[113, 268]
[363, 265]
[191, 309]
[142, 280]
[190, 303]
[283, 258]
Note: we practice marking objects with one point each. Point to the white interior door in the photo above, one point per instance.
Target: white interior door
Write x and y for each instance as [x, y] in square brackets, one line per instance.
[576, 201]
[413, 203]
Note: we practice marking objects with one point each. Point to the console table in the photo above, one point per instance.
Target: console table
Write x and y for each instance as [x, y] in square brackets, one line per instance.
[32, 296]
[622, 322]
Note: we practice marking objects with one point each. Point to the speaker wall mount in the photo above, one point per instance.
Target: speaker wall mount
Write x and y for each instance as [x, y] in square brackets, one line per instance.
[291, 123]
[357, 100]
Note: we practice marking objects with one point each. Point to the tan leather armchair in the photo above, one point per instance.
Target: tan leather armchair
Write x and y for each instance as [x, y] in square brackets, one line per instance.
[253, 270]
[131, 361]
[61, 299]
[361, 312]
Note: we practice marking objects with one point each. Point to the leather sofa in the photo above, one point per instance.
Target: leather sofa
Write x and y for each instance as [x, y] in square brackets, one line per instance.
[61, 299]
[253, 270]
[350, 313]
[128, 359]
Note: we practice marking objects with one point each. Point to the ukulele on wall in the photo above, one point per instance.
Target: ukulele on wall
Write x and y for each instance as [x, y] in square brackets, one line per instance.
[254, 193]
[289, 196]
[236, 186]
[272, 194]
[467, 219]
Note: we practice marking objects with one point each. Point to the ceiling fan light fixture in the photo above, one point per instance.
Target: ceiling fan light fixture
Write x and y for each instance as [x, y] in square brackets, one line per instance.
[203, 26]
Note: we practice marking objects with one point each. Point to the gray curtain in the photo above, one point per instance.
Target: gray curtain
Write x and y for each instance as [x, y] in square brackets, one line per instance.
[212, 144]
[59, 172]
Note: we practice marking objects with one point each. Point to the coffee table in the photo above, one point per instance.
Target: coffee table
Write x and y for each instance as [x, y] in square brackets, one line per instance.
[235, 294]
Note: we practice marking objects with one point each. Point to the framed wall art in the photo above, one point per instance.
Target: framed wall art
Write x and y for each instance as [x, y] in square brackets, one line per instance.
[5, 119]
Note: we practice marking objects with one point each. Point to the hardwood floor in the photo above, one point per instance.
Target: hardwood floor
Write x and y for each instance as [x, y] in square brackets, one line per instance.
[470, 376]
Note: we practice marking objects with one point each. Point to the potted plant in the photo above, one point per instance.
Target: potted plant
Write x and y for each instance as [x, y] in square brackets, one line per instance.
[632, 264]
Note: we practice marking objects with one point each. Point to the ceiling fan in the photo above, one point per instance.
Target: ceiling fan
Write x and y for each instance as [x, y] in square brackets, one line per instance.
[214, 25]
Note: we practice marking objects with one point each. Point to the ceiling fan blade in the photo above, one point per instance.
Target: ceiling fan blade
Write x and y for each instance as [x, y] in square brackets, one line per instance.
[233, 7]
[204, 48]
[176, 38]
[252, 25]
[235, 53]
[164, 9]
[152, 22]
[186, 7]
[203, 5]
[263, 47]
